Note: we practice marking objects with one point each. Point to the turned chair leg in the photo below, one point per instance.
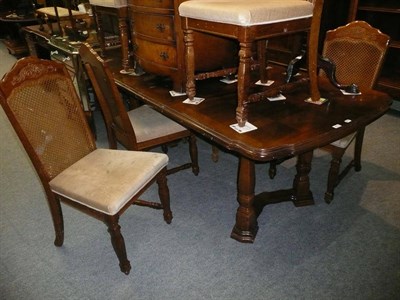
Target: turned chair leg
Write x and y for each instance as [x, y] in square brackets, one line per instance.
[272, 169]
[193, 154]
[58, 220]
[118, 243]
[358, 149]
[333, 176]
[163, 193]
[214, 153]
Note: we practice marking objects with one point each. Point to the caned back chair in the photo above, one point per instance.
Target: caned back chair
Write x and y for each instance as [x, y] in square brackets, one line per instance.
[40, 100]
[356, 51]
[141, 128]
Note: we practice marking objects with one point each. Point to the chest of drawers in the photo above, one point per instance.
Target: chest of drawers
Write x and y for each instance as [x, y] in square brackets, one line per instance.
[158, 45]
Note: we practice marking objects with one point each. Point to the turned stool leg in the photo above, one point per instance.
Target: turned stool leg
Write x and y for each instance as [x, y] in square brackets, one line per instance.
[262, 60]
[243, 84]
[189, 58]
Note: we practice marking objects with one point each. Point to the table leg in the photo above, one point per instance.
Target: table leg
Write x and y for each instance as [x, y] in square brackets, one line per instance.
[246, 227]
[251, 205]
[302, 195]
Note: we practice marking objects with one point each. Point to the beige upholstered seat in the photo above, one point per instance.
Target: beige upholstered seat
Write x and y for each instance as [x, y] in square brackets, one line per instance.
[109, 3]
[250, 23]
[41, 103]
[246, 13]
[115, 175]
[141, 128]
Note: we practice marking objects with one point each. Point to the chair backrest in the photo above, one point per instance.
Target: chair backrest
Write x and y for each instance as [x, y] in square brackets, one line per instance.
[358, 51]
[42, 105]
[108, 96]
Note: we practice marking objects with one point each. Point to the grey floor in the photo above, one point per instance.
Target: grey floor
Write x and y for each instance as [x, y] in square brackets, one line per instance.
[347, 250]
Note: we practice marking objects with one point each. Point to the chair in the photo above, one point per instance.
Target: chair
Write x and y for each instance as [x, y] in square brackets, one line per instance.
[357, 51]
[251, 23]
[41, 103]
[141, 128]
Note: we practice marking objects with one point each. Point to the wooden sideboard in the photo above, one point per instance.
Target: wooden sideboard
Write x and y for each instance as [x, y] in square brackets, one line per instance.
[158, 47]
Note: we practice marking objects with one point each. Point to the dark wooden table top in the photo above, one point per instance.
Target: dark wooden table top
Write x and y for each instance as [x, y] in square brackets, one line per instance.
[285, 128]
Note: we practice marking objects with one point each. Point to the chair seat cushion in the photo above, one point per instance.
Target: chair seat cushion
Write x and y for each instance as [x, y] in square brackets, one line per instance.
[109, 3]
[61, 11]
[344, 142]
[150, 124]
[246, 13]
[105, 180]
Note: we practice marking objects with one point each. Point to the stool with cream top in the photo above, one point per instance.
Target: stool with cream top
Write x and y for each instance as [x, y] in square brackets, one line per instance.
[118, 8]
[251, 22]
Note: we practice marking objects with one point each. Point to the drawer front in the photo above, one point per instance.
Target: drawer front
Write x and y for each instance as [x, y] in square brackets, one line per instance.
[156, 53]
[154, 26]
[160, 4]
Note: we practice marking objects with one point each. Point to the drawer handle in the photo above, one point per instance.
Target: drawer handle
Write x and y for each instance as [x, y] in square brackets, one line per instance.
[164, 56]
[160, 27]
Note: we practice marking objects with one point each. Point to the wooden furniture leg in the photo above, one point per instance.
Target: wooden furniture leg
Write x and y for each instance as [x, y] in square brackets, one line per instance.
[246, 227]
[302, 194]
[124, 36]
[243, 87]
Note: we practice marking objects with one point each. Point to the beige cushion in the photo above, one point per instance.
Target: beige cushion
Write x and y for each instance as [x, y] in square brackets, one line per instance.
[344, 142]
[109, 3]
[105, 180]
[62, 12]
[248, 12]
[150, 124]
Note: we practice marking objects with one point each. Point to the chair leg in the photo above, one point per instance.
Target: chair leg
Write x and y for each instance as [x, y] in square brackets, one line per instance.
[333, 175]
[272, 169]
[358, 149]
[118, 243]
[163, 193]
[214, 153]
[194, 154]
[58, 220]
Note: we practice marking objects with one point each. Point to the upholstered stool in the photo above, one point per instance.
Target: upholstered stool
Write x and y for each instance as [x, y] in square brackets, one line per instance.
[250, 21]
[60, 14]
[118, 8]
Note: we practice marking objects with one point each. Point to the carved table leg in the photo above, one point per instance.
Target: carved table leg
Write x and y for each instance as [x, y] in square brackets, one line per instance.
[302, 195]
[246, 227]
[243, 84]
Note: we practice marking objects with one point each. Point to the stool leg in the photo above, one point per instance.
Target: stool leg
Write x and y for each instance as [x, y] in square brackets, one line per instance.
[243, 84]
[189, 58]
[262, 60]
[123, 32]
[100, 33]
[313, 39]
